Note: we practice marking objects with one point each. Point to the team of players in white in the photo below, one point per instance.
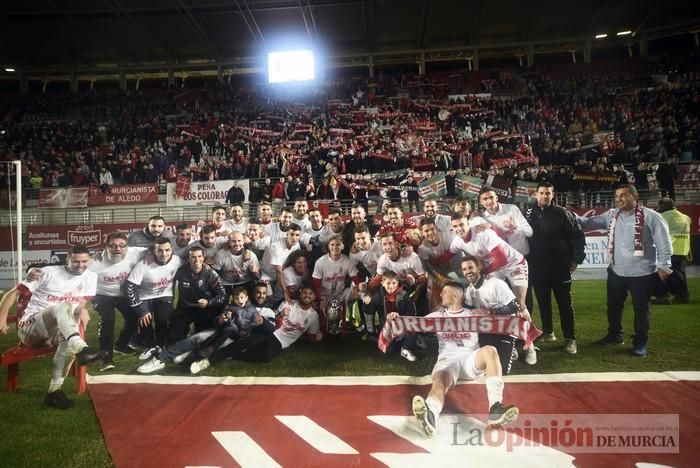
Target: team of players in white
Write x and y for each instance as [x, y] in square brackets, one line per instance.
[245, 252]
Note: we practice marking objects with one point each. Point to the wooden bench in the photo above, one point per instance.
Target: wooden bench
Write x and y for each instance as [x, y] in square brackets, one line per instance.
[16, 355]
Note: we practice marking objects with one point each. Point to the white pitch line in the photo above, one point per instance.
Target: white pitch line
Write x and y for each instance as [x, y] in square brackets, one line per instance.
[316, 436]
[245, 450]
[386, 380]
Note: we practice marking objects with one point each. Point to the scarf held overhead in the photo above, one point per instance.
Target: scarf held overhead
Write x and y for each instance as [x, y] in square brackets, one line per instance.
[497, 325]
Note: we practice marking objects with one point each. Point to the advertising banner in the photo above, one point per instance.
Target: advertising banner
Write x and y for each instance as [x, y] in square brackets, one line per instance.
[8, 265]
[124, 195]
[204, 193]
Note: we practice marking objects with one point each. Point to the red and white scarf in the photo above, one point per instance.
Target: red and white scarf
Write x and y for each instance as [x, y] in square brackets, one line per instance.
[638, 233]
[508, 325]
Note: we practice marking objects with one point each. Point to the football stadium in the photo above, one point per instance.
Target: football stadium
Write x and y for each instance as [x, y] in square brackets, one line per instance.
[316, 233]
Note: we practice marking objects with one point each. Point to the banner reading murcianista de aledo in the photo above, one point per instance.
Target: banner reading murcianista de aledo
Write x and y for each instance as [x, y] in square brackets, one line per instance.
[205, 192]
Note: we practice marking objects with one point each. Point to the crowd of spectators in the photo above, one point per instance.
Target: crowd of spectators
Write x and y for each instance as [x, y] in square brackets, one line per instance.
[586, 132]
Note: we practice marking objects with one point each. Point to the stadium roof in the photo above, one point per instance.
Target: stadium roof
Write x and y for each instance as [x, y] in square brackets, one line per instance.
[131, 34]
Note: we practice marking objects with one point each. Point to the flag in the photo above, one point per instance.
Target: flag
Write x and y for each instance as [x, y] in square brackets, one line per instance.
[524, 191]
[435, 185]
[182, 186]
[468, 185]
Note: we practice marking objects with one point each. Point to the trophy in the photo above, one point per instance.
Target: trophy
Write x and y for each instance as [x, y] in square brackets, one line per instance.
[334, 317]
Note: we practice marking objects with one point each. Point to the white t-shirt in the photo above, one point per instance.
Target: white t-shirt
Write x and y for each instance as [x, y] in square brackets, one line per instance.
[230, 225]
[297, 322]
[232, 268]
[481, 245]
[443, 223]
[275, 232]
[410, 265]
[111, 276]
[517, 238]
[155, 280]
[56, 286]
[182, 251]
[332, 274]
[209, 252]
[492, 293]
[291, 279]
[303, 223]
[275, 256]
[457, 342]
[368, 258]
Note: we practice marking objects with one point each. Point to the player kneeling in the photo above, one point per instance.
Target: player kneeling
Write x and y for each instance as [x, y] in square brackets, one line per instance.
[459, 357]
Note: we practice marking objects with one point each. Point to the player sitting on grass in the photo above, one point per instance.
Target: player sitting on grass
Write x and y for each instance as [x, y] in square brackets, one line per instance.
[236, 321]
[459, 357]
[297, 318]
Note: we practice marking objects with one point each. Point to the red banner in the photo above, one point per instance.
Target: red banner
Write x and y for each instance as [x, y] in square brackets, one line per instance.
[124, 195]
[76, 197]
[182, 186]
[688, 176]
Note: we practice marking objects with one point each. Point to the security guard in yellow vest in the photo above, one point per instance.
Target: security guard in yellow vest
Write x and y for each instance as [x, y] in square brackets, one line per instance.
[679, 228]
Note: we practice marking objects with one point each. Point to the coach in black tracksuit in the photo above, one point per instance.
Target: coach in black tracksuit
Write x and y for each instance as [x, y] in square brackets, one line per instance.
[556, 249]
[201, 296]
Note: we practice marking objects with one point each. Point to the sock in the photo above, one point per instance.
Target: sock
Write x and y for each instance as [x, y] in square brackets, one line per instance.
[76, 344]
[434, 405]
[55, 386]
[369, 322]
[494, 390]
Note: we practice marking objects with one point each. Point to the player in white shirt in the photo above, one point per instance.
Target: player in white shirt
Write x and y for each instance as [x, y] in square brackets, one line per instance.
[257, 239]
[459, 357]
[297, 318]
[435, 251]
[278, 230]
[494, 295]
[237, 222]
[210, 243]
[236, 265]
[311, 236]
[183, 239]
[365, 253]
[408, 268]
[149, 289]
[296, 272]
[500, 260]
[301, 217]
[328, 278]
[507, 218]
[112, 271]
[334, 227]
[52, 316]
[273, 262]
[441, 221]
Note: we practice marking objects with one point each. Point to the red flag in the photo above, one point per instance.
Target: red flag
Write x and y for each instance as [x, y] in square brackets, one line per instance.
[182, 186]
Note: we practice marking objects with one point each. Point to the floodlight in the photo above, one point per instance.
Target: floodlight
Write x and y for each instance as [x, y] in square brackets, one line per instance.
[291, 65]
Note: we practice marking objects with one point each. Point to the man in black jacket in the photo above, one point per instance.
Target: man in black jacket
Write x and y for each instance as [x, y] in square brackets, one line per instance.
[556, 249]
[201, 296]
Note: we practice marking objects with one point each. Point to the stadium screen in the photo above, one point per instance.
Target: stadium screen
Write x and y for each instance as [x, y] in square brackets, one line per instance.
[295, 65]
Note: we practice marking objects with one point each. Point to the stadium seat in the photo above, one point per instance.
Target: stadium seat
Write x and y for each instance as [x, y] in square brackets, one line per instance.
[20, 353]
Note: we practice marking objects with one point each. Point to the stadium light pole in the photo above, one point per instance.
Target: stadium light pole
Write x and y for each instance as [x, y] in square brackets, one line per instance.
[18, 200]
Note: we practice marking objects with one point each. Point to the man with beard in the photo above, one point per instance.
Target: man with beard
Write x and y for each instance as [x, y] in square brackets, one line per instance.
[52, 315]
[209, 242]
[298, 318]
[149, 289]
[183, 239]
[237, 222]
[358, 215]
[273, 262]
[300, 213]
[430, 207]
[278, 230]
[155, 229]
[201, 296]
[112, 271]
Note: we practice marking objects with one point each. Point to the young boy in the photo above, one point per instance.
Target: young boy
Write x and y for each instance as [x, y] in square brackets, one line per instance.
[390, 297]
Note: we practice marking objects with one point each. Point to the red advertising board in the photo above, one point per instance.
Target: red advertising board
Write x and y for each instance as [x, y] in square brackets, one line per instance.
[76, 197]
[124, 195]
